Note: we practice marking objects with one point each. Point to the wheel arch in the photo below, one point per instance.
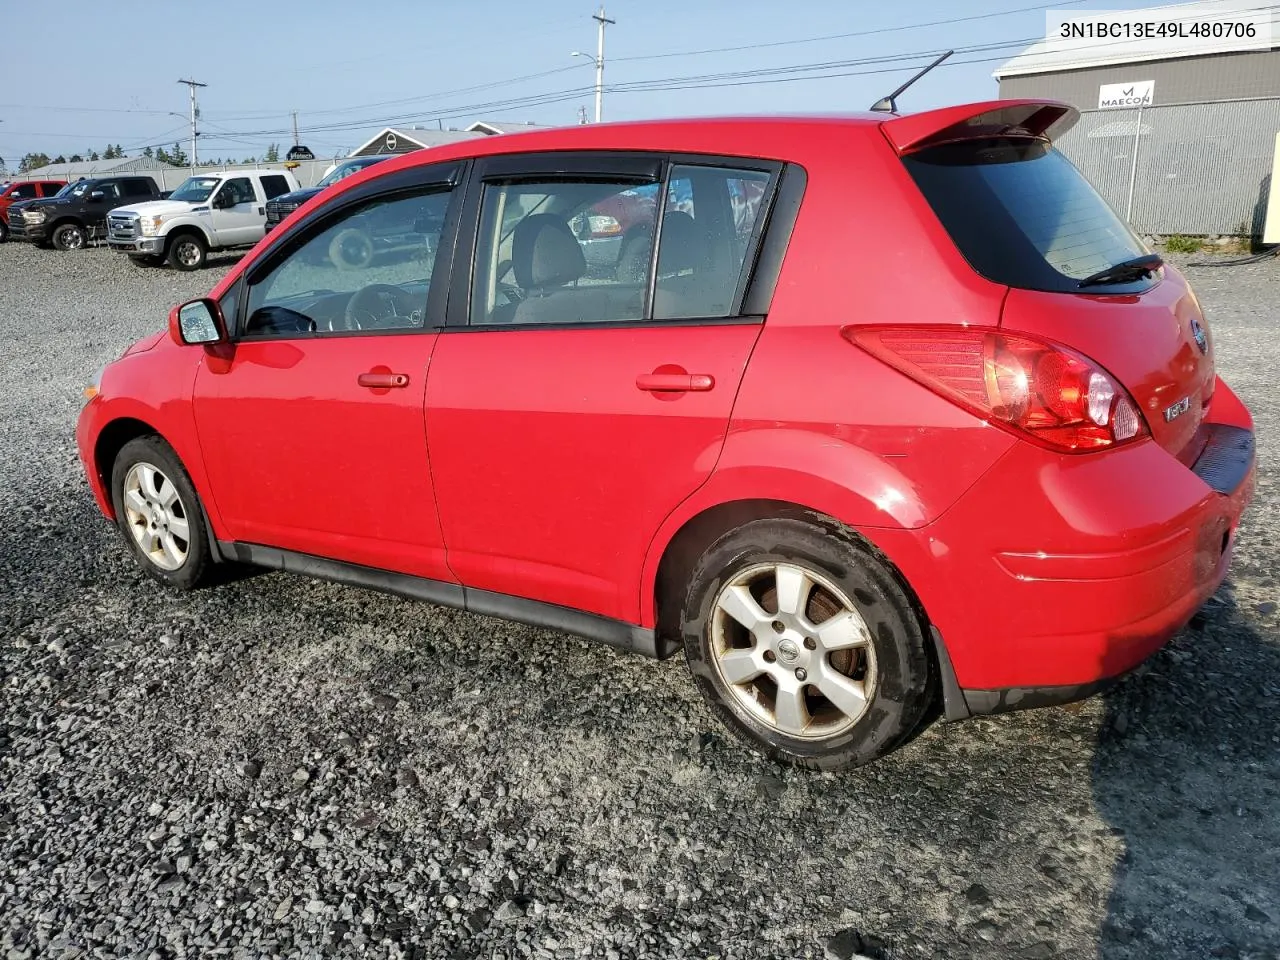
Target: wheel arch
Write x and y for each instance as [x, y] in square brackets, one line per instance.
[65, 220]
[183, 230]
[698, 532]
[111, 440]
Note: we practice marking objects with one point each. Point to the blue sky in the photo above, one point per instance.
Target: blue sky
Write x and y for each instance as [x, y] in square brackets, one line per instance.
[348, 67]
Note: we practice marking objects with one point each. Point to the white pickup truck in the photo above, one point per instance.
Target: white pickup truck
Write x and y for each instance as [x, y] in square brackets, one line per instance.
[216, 211]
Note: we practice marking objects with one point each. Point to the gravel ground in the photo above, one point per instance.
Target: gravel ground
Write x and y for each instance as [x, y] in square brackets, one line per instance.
[282, 767]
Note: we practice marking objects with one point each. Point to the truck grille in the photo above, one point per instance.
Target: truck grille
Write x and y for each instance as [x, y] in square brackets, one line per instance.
[123, 227]
[278, 210]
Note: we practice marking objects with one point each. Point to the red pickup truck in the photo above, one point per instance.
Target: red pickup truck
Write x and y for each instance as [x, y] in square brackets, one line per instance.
[27, 190]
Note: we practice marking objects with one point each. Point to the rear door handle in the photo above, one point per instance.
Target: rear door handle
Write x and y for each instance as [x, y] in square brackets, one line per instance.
[676, 382]
[383, 380]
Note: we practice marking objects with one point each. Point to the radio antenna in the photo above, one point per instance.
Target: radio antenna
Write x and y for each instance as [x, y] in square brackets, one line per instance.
[889, 104]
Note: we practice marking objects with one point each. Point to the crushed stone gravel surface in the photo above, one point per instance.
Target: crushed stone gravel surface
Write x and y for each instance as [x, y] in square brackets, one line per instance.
[281, 767]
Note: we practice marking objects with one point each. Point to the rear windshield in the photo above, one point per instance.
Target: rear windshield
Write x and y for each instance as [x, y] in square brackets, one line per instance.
[1022, 215]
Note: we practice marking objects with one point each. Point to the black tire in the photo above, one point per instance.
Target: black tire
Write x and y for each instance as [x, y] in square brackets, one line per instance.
[147, 261]
[893, 666]
[4, 232]
[70, 236]
[351, 249]
[196, 559]
[187, 251]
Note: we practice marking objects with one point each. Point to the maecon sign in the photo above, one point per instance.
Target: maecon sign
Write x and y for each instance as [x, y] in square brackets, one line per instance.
[1139, 94]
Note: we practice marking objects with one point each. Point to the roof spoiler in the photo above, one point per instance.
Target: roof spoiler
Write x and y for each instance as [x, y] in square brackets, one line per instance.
[1041, 119]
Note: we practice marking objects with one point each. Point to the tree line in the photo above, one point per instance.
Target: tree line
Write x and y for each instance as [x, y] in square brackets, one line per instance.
[175, 157]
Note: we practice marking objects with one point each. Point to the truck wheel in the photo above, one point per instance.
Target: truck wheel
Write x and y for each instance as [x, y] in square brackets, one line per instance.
[69, 236]
[187, 252]
[147, 261]
[4, 231]
[351, 249]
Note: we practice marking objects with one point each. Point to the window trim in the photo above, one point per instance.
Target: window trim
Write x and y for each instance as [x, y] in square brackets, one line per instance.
[574, 165]
[391, 188]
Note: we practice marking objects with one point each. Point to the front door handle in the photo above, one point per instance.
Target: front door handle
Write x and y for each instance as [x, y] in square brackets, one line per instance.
[676, 382]
[383, 380]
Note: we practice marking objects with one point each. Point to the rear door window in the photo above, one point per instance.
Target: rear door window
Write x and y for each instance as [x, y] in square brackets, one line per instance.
[709, 226]
[275, 186]
[572, 250]
[1023, 215]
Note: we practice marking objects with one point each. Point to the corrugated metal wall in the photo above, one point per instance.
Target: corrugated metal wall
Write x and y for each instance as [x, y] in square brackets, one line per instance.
[1203, 168]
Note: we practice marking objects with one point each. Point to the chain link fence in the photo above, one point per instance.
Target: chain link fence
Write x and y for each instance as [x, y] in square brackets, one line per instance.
[1201, 168]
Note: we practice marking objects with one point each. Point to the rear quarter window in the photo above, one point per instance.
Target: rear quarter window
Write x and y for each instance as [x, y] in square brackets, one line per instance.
[1023, 215]
[275, 186]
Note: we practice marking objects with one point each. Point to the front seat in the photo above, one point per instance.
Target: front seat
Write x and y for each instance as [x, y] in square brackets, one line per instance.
[545, 257]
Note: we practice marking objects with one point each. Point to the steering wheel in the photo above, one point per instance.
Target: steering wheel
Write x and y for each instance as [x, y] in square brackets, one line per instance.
[379, 306]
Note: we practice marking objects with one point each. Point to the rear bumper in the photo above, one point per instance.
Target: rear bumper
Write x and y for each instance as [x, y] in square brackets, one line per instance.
[1055, 575]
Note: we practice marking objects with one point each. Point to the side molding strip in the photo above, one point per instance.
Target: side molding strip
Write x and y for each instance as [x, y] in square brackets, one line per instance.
[616, 633]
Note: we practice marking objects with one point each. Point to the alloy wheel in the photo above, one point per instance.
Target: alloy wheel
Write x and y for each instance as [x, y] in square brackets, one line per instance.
[188, 253]
[793, 649]
[156, 516]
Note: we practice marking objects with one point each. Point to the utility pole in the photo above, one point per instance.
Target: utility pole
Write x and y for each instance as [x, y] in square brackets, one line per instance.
[602, 20]
[295, 128]
[582, 115]
[191, 85]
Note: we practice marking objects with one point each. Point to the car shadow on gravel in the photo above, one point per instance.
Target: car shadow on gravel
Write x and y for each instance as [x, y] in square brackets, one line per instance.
[1187, 772]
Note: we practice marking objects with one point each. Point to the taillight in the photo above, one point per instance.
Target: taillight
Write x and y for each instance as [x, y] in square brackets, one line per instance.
[1043, 391]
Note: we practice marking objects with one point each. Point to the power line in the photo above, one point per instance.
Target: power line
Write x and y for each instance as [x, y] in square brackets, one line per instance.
[845, 36]
[823, 70]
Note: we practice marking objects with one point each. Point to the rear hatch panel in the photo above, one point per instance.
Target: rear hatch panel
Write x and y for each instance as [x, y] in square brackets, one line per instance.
[1023, 216]
[1147, 341]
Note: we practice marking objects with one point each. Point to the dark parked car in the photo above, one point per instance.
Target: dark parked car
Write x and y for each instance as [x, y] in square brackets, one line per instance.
[281, 207]
[78, 215]
[28, 190]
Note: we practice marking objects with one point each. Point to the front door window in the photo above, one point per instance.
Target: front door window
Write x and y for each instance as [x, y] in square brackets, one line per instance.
[369, 269]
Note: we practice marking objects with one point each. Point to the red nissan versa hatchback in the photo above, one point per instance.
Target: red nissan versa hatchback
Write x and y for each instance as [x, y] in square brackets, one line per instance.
[872, 413]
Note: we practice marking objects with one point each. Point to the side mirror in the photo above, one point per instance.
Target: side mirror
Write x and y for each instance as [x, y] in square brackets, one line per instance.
[197, 322]
[97, 196]
[222, 201]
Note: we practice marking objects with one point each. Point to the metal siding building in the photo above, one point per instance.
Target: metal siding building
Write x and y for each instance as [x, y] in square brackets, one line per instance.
[1205, 144]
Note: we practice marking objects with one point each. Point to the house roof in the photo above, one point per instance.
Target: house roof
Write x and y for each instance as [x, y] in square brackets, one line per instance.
[433, 137]
[419, 136]
[1055, 54]
[492, 127]
[90, 168]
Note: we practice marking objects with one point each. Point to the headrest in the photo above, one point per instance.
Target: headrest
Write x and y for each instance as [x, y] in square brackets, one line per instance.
[545, 253]
[681, 246]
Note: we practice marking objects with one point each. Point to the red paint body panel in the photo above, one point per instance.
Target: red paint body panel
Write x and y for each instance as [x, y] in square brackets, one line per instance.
[530, 462]
[1145, 341]
[302, 457]
[151, 384]
[553, 469]
[1104, 557]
